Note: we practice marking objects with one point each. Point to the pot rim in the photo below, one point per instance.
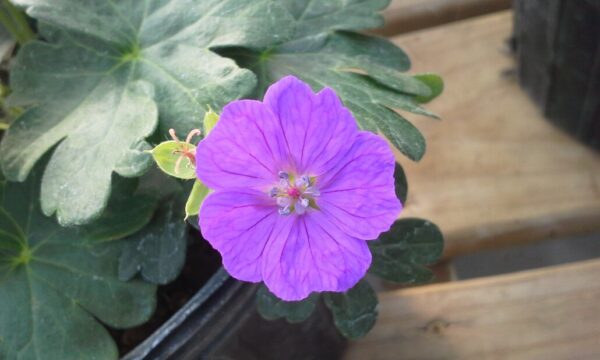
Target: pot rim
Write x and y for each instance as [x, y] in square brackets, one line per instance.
[216, 281]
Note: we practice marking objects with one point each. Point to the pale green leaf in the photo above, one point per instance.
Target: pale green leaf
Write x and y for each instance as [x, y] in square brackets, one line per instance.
[110, 73]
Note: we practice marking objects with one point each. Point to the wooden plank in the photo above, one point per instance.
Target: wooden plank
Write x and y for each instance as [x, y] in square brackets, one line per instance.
[550, 313]
[410, 15]
[496, 173]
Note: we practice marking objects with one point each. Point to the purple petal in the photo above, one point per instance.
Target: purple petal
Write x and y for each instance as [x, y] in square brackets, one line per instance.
[239, 224]
[245, 149]
[358, 195]
[315, 256]
[317, 127]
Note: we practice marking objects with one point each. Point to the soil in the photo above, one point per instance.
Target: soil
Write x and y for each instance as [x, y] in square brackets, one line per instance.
[202, 261]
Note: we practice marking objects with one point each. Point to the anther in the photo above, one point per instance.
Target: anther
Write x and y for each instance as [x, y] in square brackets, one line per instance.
[283, 175]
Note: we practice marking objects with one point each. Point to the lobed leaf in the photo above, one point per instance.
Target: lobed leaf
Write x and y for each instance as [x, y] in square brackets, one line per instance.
[400, 255]
[271, 307]
[58, 285]
[355, 311]
[110, 74]
[315, 17]
[157, 252]
[365, 71]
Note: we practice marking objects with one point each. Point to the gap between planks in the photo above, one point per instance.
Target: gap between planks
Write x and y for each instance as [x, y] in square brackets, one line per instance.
[496, 173]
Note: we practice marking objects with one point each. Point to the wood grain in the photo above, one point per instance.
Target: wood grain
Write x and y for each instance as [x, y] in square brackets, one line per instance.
[496, 173]
[409, 15]
[550, 313]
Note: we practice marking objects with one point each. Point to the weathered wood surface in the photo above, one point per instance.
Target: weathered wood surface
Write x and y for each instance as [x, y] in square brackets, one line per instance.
[496, 172]
[409, 15]
[550, 313]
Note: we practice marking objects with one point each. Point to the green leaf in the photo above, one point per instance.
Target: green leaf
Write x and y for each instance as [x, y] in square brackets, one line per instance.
[197, 196]
[110, 73]
[167, 154]
[271, 307]
[400, 255]
[315, 17]
[355, 311]
[434, 83]
[158, 251]
[58, 285]
[365, 71]
[400, 183]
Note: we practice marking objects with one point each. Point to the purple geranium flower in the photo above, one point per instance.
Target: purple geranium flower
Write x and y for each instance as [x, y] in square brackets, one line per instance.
[298, 188]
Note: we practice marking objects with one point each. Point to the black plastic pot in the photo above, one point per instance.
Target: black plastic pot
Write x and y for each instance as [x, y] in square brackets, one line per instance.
[558, 51]
[221, 322]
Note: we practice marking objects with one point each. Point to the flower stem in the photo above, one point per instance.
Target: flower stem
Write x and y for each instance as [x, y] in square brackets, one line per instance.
[15, 22]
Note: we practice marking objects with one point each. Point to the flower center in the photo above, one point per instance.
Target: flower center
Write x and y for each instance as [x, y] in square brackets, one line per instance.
[295, 195]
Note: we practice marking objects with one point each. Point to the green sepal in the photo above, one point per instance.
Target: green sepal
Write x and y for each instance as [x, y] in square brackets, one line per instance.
[435, 84]
[197, 196]
[210, 120]
[166, 154]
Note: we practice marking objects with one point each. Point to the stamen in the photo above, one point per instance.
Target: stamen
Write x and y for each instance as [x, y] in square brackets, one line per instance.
[178, 164]
[173, 135]
[273, 192]
[195, 132]
[304, 202]
[294, 194]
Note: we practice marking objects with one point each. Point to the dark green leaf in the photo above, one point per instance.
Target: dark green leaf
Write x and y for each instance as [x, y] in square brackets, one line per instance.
[400, 183]
[317, 16]
[107, 72]
[400, 255]
[58, 284]
[435, 84]
[355, 311]
[158, 251]
[271, 307]
[365, 71]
